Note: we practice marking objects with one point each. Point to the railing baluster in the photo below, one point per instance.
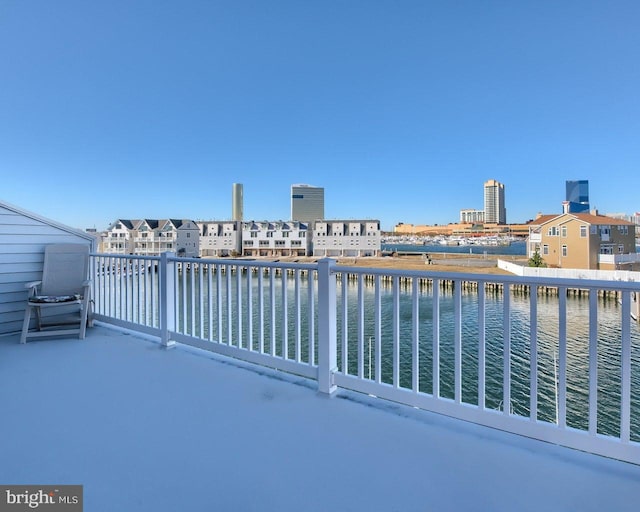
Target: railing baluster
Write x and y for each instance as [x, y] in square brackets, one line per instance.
[311, 313]
[219, 301]
[192, 283]
[506, 350]
[345, 324]
[210, 301]
[396, 332]
[272, 303]
[482, 346]
[436, 338]
[200, 300]
[298, 322]
[285, 306]
[229, 309]
[378, 329]
[533, 356]
[249, 308]
[625, 398]
[593, 361]
[457, 340]
[415, 336]
[239, 306]
[360, 326]
[562, 357]
[261, 310]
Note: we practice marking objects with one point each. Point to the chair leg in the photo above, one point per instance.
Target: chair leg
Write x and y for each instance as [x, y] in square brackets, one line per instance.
[83, 318]
[25, 324]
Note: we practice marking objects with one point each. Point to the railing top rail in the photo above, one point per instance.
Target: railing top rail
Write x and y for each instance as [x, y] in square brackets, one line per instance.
[246, 263]
[124, 256]
[495, 278]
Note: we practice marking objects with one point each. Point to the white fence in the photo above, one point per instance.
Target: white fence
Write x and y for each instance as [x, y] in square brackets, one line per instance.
[474, 347]
[569, 273]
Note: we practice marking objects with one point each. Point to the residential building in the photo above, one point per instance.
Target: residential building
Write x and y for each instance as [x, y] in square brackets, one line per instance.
[290, 238]
[118, 237]
[188, 239]
[346, 238]
[584, 240]
[307, 203]
[471, 216]
[495, 211]
[220, 238]
[577, 196]
[151, 237]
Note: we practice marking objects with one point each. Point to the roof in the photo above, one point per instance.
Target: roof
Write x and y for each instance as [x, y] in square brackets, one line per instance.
[584, 217]
[149, 429]
[48, 222]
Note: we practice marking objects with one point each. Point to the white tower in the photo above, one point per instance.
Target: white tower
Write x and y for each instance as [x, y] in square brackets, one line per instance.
[236, 202]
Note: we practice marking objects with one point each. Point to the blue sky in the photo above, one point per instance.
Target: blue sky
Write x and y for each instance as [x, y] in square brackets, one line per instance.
[400, 109]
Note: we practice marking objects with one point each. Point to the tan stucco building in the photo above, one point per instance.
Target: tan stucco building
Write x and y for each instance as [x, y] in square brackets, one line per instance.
[585, 241]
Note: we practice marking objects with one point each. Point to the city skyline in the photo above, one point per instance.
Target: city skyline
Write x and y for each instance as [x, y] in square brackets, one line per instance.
[399, 110]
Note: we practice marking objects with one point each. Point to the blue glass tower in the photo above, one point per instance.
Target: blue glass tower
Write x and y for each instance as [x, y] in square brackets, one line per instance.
[578, 196]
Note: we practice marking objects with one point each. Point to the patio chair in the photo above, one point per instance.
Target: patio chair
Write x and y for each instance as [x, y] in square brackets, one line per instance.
[62, 295]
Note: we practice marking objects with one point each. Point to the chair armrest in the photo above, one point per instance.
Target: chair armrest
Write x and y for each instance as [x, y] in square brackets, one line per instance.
[32, 287]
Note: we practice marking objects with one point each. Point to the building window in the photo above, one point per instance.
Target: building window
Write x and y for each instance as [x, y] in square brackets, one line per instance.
[302, 234]
[254, 234]
[269, 234]
[280, 243]
[621, 249]
[545, 249]
[285, 234]
[583, 231]
[264, 243]
[564, 250]
[564, 231]
[553, 231]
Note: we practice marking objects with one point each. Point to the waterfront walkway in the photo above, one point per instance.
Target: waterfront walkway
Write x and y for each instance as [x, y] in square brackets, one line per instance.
[149, 429]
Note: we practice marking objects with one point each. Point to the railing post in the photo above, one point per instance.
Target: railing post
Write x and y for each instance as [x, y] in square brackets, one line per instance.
[166, 294]
[327, 345]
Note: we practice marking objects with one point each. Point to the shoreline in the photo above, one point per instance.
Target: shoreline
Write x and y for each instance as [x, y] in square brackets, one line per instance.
[440, 262]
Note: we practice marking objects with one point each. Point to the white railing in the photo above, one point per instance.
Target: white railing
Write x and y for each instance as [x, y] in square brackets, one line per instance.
[541, 357]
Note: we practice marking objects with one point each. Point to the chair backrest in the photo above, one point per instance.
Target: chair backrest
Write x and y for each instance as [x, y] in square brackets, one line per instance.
[66, 267]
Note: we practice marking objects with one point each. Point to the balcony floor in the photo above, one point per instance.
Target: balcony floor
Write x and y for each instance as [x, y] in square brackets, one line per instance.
[148, 429]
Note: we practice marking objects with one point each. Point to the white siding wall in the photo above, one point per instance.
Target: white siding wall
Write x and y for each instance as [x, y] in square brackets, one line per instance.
[22, 241]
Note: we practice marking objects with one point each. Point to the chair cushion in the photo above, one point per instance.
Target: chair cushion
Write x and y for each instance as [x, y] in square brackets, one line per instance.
[49, 299]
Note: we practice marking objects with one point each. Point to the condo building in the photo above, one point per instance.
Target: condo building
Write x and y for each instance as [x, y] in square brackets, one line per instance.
[151, 237]
[495, 211]
[346, 238]
[275, 238]
[220, 238]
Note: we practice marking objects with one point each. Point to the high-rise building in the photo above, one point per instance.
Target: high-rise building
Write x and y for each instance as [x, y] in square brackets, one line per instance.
[577, 196]
[307, 203]
[236, 202]
[495, 211]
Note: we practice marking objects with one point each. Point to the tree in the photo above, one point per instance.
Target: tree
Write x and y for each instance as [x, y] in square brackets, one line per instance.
[536, 260]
